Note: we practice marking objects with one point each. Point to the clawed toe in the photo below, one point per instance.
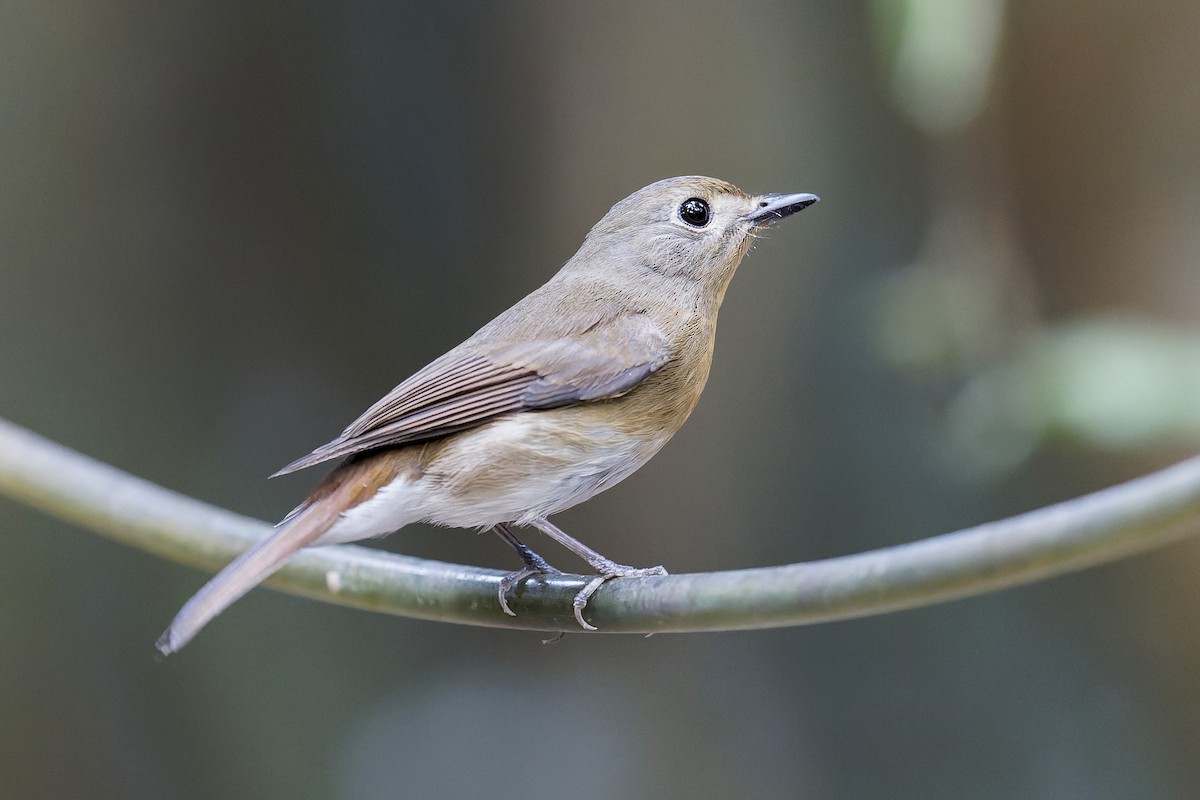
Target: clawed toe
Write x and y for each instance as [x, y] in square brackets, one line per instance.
[512, 579]
[610, 571]
[606, 569]
[534, 565]
[607, 573]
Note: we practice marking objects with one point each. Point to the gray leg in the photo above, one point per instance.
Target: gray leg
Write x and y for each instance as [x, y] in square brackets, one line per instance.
[534, 565]
[607, 568]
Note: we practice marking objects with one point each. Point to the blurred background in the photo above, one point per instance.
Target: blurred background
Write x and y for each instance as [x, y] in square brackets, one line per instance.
[226, 228]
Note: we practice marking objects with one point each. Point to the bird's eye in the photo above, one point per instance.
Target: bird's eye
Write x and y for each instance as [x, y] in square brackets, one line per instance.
[695, 212]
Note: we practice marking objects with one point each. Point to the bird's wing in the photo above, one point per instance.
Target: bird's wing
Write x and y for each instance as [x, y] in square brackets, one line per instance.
[477, 382]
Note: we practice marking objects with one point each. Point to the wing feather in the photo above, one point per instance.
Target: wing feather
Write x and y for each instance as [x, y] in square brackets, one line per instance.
[476, 382]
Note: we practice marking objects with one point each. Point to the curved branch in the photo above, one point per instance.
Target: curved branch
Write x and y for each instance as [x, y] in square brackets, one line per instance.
[1136, 516]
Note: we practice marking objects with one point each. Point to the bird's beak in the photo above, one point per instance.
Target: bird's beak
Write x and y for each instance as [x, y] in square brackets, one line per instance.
[777, 206]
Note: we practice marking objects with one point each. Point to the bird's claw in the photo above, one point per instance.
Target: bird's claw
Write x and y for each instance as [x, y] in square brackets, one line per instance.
[607, 573]
[511, 580]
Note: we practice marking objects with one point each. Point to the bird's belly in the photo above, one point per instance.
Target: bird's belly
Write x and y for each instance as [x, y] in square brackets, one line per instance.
[527, 466]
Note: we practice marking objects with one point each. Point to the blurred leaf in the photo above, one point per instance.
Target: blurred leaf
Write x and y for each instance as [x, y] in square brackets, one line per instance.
[1116, 383]
[941, 54]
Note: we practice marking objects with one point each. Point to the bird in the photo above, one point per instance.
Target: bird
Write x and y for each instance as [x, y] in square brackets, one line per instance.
[560, 397]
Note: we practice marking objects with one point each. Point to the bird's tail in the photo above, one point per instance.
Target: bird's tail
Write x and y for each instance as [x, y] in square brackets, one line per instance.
[356, 481]
[244, 573]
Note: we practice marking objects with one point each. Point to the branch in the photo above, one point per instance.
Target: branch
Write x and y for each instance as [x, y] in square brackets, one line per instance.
[1130, 518]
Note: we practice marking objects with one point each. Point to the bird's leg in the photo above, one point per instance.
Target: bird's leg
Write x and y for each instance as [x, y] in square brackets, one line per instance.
[534, 565]
[606, 568]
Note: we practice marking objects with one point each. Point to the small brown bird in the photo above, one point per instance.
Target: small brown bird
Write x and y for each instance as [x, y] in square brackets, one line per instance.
[560, 397]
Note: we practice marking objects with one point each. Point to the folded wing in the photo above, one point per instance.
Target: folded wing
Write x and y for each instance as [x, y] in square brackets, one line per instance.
[477, 382]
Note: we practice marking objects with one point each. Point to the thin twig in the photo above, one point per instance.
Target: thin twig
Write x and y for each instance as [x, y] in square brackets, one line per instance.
[1133, 517]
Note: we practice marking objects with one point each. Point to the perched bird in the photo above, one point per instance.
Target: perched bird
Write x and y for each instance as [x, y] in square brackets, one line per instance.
[560, 397]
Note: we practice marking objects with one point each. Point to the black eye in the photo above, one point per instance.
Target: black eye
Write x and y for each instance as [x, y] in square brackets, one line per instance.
[695, 212]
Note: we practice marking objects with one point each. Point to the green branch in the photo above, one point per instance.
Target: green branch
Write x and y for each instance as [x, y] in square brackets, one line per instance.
[1133, 517]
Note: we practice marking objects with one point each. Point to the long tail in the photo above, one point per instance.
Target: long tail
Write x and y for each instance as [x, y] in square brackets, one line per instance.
[244, 573]
[356, 481]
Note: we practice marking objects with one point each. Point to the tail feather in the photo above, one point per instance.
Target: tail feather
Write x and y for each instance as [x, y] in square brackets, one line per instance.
[243, 574]
[356, 481]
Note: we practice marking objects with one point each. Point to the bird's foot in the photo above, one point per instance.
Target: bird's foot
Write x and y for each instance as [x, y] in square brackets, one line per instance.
[534, 565]
[607, 571]
[512, 579]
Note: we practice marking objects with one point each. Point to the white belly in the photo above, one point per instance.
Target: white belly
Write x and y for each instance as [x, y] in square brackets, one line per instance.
[516, 469]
